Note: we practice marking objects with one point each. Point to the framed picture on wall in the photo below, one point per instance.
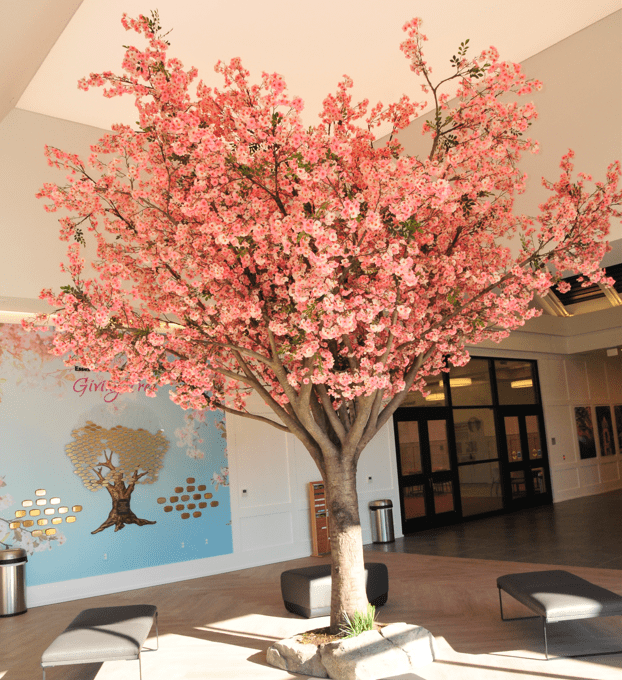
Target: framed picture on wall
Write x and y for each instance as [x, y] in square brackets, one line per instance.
[585, 432]
[604, 424]
[617, 411]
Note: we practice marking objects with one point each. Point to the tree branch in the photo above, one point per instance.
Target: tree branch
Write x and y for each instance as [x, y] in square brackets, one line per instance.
[336, 423]
[291, 420]
[252, 416]
[397, 400]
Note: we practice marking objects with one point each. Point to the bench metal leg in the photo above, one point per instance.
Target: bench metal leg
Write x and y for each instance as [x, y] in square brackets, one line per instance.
[147, 649]
[546, 644]
[522, 618]
[151, 649]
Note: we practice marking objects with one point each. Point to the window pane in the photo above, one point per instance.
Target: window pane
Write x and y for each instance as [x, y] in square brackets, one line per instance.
[533, 437]
[539, 485]
[515, 382]
[475, 434]
[410, 453]
[519, 490]
[480, 488]
[435, 398]
[439, 448]
[470, 384]
[414, 502]
[443, 496]
[512, 438]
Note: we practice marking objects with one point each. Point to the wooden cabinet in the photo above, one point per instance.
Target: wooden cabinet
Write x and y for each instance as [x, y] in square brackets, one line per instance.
[319, 519]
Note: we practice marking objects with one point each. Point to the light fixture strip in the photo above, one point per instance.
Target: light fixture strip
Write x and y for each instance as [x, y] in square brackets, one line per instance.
[519, 384]
[437, 396]
[458, 382]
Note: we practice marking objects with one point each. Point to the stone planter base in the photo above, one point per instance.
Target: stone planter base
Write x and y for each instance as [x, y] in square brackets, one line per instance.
[395, 649]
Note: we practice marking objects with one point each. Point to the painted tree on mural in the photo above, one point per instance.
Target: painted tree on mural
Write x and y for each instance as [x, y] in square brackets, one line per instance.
[125, 453]
[241, 252]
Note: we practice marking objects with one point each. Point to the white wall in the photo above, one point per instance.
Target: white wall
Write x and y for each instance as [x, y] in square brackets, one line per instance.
[271, 521]
[584, 380]
[31, 249]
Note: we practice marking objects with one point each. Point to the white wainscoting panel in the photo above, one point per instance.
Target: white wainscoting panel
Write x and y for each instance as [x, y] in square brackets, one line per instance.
[559, 425]
[266, 531]
[553, 384]
[576, 375]
[613, 371]
[263, 467]
[589, 475]
[609, 470]
[597, 380]
[565, 480]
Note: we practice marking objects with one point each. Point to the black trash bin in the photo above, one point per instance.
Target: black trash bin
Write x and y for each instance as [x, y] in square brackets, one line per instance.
[382, 521]
[13, 581]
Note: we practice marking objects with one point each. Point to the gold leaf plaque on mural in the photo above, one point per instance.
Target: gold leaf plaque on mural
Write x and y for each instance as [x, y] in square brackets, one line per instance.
[184, 507]
[117, 459]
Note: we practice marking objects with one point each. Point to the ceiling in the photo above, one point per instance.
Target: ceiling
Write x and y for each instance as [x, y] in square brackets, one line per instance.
[53, 43]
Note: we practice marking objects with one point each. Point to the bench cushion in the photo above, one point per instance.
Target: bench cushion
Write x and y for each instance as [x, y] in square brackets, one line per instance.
[558, 595]
[306, 591]
[102, 634]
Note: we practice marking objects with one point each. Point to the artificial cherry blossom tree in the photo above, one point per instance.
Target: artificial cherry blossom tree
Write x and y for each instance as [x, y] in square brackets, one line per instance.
[240, 251]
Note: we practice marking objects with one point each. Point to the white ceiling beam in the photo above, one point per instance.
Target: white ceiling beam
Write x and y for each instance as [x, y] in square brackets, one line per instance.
[30, 30]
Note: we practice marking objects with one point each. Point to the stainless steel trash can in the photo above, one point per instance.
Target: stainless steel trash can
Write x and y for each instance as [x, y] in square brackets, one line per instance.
[13, 581]
[382, 521]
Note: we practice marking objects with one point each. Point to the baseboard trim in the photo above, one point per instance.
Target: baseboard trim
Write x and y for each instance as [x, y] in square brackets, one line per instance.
[107, 584]
[581, 491]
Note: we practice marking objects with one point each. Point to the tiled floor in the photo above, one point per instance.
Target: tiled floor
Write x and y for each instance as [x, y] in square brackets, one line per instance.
[586, 532]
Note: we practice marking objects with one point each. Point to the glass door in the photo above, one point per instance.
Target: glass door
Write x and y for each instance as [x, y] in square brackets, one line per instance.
[426, 474]
[527, 480]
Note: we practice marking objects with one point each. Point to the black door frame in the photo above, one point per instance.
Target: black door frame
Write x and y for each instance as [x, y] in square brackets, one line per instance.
[526, 464]
[428, 478]
[506, 467]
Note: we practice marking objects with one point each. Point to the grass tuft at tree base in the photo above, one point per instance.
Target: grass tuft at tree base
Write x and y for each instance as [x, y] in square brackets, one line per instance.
[359, 623]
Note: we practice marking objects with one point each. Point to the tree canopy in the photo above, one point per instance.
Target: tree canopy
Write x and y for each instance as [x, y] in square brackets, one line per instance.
[240, 251]
[307, 264]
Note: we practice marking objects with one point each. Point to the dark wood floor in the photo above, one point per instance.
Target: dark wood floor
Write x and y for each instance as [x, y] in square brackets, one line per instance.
[585, 532]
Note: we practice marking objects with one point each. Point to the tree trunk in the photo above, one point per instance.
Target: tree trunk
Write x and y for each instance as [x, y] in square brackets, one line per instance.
[121, 513]
[348, 572]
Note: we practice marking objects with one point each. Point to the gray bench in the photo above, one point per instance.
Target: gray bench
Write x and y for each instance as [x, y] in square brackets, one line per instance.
[103, 634]
[558, 595]
[306, 591]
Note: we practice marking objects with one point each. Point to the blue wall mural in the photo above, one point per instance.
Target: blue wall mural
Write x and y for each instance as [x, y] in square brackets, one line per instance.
[94, 482]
